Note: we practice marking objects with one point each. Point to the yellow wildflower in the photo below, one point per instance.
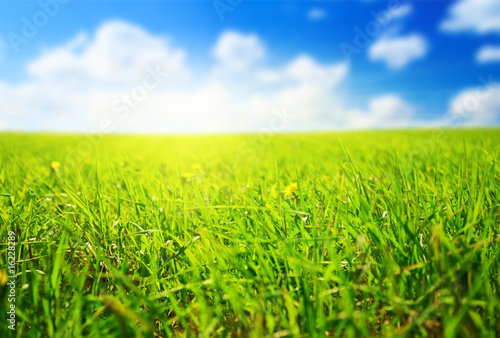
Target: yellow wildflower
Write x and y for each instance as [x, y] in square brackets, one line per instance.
[55, 165]
[187, 176]
[291, 190]
[196, 166]
[3, 278]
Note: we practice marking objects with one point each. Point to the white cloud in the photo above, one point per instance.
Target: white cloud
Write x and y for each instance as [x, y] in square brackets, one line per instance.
[73, 86]
[488, 54]
[307, 88]
[479, 16]
[237, 51]
[316, 14]
[398, 51]
[401, 11]
[476, 106]
[117, 54]
[304, 69]
[388, 111]
[100, 79]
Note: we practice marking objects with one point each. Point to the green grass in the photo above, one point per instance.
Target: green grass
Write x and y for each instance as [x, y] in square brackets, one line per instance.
[388, 233]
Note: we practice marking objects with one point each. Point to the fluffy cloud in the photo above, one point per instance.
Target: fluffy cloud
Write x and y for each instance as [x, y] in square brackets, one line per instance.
[488, 54]
[387, 111]
[398, 51]
[122, 78]
[402, 11]
[395, 10]
[476, 106]
[307, 89]
[480, 16]
[73, 86]
[316, 14]
[305, 70]
[237, 51]
[117, 54]
[395, 50]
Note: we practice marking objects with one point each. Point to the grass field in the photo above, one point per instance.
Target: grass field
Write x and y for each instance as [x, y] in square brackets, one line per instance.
[355, 234]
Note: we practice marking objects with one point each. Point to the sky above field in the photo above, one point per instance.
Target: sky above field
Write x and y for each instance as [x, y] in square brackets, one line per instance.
[232, 66]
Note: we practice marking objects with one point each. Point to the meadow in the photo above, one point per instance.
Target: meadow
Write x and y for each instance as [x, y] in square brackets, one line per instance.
[381, 233]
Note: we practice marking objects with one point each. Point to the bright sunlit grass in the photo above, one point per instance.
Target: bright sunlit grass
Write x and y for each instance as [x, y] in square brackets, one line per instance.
[367, 233]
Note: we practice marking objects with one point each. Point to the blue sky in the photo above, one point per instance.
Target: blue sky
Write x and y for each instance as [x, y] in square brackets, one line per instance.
[260, 65]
